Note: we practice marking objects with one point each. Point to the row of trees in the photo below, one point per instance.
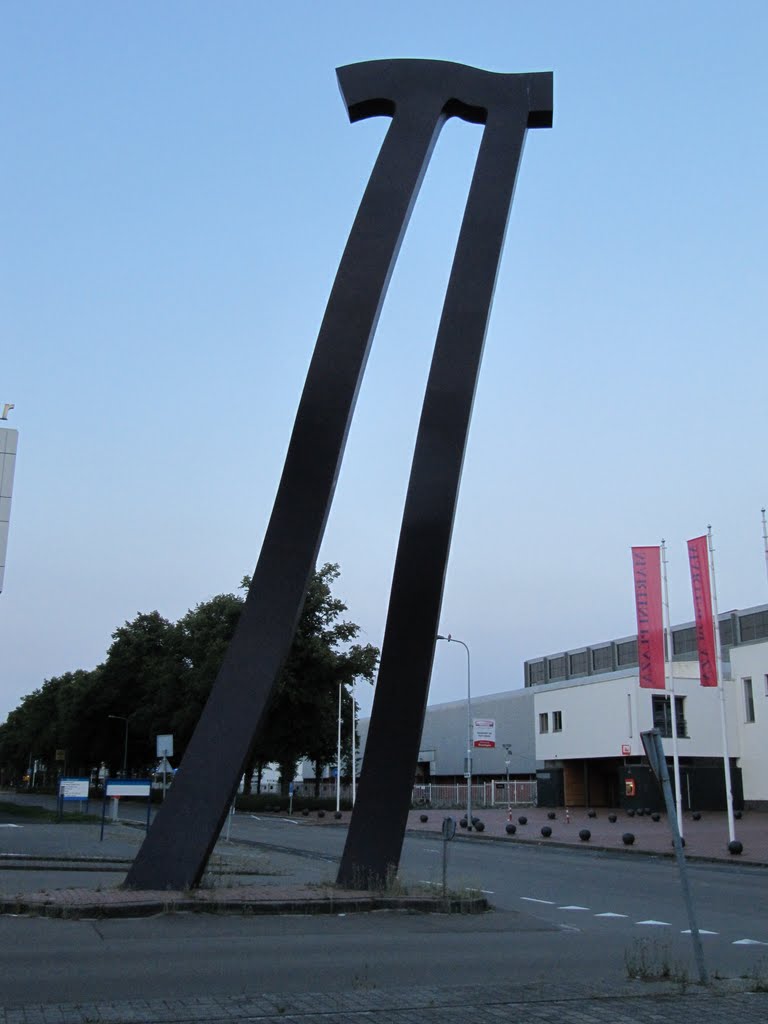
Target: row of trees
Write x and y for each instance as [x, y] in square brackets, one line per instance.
[158, 674]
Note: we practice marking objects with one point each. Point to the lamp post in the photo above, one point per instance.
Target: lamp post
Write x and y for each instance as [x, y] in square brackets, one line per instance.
[122, 718]
[468, 772]
[508, 749]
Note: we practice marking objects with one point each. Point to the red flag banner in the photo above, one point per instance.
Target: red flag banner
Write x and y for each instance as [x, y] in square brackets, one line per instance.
[646, 565]
[698, 556]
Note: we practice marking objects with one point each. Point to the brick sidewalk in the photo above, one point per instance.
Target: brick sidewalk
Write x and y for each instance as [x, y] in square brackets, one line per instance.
[628, 1004]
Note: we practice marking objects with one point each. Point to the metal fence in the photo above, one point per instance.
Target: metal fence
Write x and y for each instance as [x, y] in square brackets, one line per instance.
[484, 794]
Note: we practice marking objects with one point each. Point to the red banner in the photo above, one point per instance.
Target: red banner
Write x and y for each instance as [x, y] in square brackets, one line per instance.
[646, 564]
[698, 556]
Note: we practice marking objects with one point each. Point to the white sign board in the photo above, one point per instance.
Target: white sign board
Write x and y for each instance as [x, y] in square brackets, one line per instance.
[73, 789]
[484, 732]
[165, 745]
[136, 787]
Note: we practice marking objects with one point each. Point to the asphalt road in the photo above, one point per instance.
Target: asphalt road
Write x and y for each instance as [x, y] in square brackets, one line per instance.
[549, 926]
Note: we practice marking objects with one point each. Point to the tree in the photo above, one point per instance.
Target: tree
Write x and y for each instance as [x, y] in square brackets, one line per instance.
[158, 675]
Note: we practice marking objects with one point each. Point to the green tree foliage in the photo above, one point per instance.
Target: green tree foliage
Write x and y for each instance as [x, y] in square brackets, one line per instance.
[158, 675]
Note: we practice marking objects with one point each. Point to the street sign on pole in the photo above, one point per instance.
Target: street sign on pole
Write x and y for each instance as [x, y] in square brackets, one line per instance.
[654, 751]
[165, 745]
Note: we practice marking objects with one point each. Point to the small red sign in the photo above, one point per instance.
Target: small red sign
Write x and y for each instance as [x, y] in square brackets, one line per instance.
[626, 749]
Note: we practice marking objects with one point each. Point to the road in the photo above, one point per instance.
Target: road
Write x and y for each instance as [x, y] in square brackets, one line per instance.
[564, 917]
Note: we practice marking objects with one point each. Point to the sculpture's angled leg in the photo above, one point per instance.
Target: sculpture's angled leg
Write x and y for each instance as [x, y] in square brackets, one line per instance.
[415, 93]
[375, 837]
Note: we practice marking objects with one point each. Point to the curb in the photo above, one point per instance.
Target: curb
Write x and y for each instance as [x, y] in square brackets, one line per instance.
[190, 904]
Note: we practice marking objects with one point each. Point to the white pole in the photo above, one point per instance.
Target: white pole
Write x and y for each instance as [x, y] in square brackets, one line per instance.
[765, 540]
[670, 680]
[354, 744]
[721, 688]
[338, 756]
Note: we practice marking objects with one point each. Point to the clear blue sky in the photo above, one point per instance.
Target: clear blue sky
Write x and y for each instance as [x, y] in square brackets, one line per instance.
[177, 185]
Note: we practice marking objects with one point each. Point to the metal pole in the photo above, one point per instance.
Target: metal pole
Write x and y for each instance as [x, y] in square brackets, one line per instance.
[468, 771]
[657, 748]
[721, 688]
[671, 687]
[338, 756]
[765, 540]
[354, 745]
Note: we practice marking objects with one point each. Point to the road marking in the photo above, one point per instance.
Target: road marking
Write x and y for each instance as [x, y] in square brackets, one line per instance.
[530, 899]
[255, 818]
[11, 826]
[659, 924]
[609, 913]
[749, 942]
[290, 820]
[573, 908]
[702, 931]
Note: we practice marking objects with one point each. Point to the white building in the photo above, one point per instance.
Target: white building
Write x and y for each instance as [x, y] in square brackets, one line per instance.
[9, 440]
[576, 724]
[589, 712]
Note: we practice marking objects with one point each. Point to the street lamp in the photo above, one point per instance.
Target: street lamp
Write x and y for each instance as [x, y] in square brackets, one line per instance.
[508, 749]
[122, 718]
[468, 772]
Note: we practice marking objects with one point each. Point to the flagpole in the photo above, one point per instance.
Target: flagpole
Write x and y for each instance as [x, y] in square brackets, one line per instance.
[726, 759]
[354, 744]
[670, 680]
[765, 540]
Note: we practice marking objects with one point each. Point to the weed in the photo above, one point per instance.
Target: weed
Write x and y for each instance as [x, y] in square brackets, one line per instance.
[650, 960]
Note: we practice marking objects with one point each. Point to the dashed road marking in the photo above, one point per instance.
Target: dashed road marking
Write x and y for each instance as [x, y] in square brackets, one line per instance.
[573, 908]
[749, 942]
[530, 899]
[610, 913]
[657, 924]
[290, 820]
[702, 931]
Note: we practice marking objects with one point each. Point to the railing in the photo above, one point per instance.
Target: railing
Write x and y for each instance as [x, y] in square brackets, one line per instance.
[484, 794]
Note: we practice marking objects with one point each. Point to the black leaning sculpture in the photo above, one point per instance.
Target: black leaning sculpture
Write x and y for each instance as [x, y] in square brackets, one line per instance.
[419, 95]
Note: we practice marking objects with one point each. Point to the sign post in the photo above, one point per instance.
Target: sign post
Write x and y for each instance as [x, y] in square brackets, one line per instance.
[164, 751]
[654, 751]
[449, 831]
[115, 788]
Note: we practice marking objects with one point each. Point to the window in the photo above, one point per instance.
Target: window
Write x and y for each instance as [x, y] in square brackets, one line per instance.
[544, 722]
[626, 653]
[726, 633]
[557, 721]
[753, 627]
[684, 641]
[537, 672]
[766, 686]
[557, 667]
[579, 664]
[602, 659]
[662, 718]
[749, 700]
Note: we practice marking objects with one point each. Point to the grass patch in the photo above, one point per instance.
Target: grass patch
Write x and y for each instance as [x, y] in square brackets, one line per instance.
[31, 812]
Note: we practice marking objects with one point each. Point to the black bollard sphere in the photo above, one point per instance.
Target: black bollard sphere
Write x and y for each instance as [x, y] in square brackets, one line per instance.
[463, 823]
[546, 831]
[551, 815]
[305, 812]
[522, 820]
[735, 846]
[591, 814]
[628, 838]
[696, 816]
[585, 835]
[321, 814]
[612, 818]
[656, 816]
[511, 829]
[423, 818]
[630, 812]
[337, 815]
[479, 826]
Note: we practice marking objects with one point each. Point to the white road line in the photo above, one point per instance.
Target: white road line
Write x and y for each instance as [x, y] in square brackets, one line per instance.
[609, 913]
[702, 931]
[749, 942]
[11, 826]
[573, 908]
[255, 818]
[290, 820]
[530, 899]
[659, 924]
